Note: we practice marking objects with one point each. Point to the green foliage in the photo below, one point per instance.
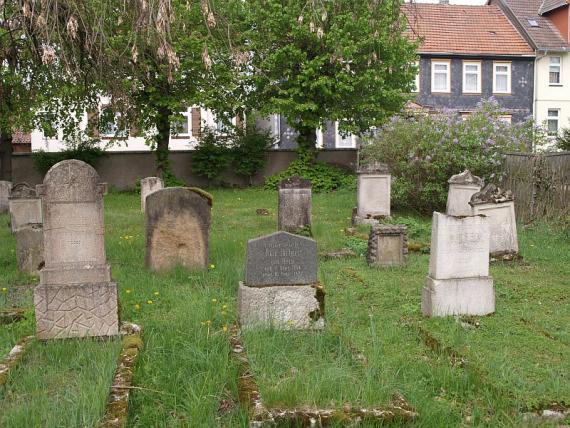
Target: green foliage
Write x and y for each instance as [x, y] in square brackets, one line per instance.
[324, 177]
[432, 148]
[345, 61]
[356, 244]
[249, 149]
[86, 151]
[212, 155]
[563, 140]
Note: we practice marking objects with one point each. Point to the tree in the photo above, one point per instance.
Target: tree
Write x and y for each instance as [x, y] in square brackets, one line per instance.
[345, 60]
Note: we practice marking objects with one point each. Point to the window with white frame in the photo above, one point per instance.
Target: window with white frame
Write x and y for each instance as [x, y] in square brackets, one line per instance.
[552, 121]
[554, 70]
[416, 87]
[502, 77]
[344, 141]
[112, 125]
[440, 76]
[182, 125]
[471, 77]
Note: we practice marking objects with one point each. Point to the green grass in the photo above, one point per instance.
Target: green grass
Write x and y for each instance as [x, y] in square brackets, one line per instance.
[516, 359]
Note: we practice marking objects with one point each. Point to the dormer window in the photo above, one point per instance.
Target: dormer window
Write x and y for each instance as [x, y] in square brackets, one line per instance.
[533, 23]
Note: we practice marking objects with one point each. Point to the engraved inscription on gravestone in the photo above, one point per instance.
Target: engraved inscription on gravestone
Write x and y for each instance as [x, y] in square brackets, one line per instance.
[281, 258]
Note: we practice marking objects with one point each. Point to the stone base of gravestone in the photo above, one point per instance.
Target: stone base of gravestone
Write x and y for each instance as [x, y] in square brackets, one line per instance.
[286, 307]
[462, 296]
[502, 225]
[24, 212]
[76, 310]
[387, 245]
[30, 248]
[370, 220]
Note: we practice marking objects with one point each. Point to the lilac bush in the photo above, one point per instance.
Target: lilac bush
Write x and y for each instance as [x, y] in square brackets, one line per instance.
[424, 150]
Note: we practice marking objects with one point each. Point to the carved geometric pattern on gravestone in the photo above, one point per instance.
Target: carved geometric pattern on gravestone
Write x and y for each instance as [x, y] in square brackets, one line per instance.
[281, 258]
[387, 245]
[177, 229]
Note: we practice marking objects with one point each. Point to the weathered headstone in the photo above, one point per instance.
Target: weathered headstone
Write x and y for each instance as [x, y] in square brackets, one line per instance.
[461, 188]
[373, 193]
[76, 296]
[281, 286]
[149, 185]
[294, 204]
[177, 228]
[5, 188]
[30, 248]
[458, 282]
[387, 245]
[499, 207]
[25, 206]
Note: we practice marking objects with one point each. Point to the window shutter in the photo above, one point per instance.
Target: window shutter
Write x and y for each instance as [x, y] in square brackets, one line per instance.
[196, 121]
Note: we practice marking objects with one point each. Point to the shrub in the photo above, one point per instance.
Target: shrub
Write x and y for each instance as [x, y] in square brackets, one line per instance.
[84, 150]
[212, 155]
[324, 177]
[249, 149]
[423, 151]
[563, 140]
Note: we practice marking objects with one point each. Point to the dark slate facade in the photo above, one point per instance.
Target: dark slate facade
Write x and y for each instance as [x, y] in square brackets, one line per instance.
[518, 104]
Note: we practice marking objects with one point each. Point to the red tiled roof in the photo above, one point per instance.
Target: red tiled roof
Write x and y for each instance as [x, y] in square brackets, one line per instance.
[454, 29]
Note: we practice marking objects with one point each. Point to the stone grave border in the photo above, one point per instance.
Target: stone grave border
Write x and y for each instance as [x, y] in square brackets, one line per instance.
[386, 229]
[117, 407]
[260, 415]
[13, 358]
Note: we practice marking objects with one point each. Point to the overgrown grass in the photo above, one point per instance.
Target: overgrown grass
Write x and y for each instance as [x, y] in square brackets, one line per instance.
[372, 347]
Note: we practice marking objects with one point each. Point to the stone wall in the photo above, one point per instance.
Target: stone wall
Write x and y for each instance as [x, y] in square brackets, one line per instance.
[121, 170]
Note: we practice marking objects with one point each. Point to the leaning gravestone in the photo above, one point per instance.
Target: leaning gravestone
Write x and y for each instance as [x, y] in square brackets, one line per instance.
[149, 185]
[499, 207]
[294, 204]
[458, 282]
[76, 296]
[387, 245]
[25, 206]
[373, 193]
[5, 188]
[280, 286]
[177, 228]
[461, 188]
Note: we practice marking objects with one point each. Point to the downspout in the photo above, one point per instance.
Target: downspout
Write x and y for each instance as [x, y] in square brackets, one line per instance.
[535, 101]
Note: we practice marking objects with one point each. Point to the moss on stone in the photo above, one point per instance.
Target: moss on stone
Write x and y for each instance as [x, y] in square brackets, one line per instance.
[204, 194]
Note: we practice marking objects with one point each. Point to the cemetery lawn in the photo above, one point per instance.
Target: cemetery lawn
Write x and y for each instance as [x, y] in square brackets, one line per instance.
[477, 371]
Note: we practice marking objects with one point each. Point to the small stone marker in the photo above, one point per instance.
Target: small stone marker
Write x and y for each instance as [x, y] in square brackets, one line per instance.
[25, 206]
[30, 248]
[294, 204]
[461, 188]
[5, 188]
[177, 228]
[387, 245]
[76, 296]
[499, 207]
[373, 194]
[281, 283]
[149, 185]
[458, 282]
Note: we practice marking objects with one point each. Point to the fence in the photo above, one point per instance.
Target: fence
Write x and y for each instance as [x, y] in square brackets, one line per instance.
[540, 183]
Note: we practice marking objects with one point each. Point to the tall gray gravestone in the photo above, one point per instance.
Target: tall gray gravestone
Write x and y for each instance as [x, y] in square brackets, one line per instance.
[499, 207]
[5, 188]
[149, 185]
[294, 204]
[458, 282]
[280, 287]
[25, 206]
[461, 188]
[177, 228]
[373, 193]
[76, 296]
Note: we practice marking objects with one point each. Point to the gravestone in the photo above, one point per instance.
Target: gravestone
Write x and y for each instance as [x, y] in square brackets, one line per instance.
[177, 228]
[387, 245]
[149, 185]
[499, 207]
[458, 282]
[294, 204]
[25, 206]
[5, 188]
[373, 193]
[30, 248]
[76, 296]
[280, 287]
[461, 188]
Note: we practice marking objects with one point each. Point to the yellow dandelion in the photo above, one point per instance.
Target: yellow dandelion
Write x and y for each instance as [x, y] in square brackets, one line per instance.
[4, 289]
[128, 291]
[149, 302]
[208, 322]
[202, 323]
[214, 300]
[137, 306]
[291, 322]
[225, 328]
[212, 266]
[156, 293]
[224, 307]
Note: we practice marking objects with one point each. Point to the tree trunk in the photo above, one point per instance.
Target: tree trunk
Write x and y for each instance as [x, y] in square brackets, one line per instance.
[162, 140]
[5, 155]
[307, 139]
